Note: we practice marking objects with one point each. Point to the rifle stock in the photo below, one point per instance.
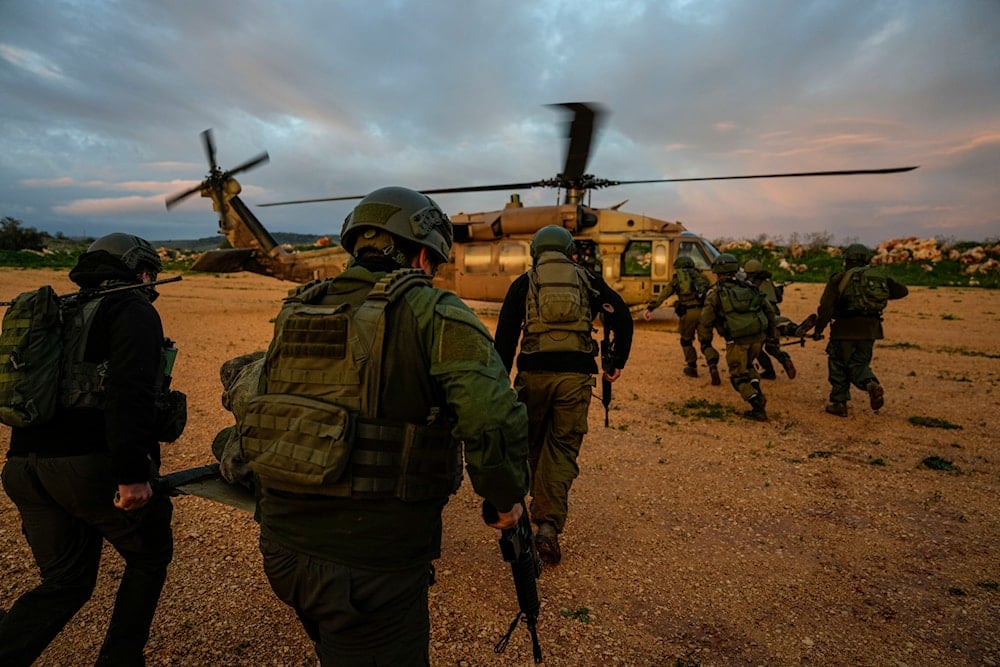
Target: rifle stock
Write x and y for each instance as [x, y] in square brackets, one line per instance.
[518, 549]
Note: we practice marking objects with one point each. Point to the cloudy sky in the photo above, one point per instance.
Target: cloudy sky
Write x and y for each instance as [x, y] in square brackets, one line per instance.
[102, 103]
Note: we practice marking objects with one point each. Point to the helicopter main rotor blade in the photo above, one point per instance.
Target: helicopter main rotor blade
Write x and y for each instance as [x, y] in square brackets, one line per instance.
[173, 200]
[249, 164]
[586, 116]
[844, 172]
[437, 191]
[209, 142]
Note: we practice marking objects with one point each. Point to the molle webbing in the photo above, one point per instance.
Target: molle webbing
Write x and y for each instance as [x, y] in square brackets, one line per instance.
[557, 308]
[313, 432]
[82, 382]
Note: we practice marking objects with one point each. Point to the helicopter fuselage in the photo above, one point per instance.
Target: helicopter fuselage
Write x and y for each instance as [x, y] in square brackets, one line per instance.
[634, 253]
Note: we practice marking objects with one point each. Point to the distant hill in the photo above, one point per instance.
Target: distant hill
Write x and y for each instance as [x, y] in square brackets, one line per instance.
[213, 242]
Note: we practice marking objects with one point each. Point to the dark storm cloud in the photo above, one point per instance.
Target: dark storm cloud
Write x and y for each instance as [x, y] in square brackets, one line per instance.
[103, 103]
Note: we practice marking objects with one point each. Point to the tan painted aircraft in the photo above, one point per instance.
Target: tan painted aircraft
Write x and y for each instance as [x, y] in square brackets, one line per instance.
[633, 252]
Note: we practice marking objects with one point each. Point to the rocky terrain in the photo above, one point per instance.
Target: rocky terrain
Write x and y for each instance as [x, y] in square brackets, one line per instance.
[695, 537]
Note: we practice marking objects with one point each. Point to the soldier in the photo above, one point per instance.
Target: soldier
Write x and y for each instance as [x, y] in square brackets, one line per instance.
[741, 314]
[83, 477]
[690, 285]
[852, 303]
[762, 280]
[554, 304]
[371, 384]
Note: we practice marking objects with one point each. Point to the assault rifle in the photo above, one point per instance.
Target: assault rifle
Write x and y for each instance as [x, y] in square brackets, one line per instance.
[94, 292]
[170, 484]
[518, 549]
[607, 366]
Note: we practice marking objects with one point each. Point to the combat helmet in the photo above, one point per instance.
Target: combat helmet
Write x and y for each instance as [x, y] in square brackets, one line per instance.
[857, 253]
[725, 264]
[684, 262]
[552, 237]
[403, 213]
[136, 253]
[753, 266]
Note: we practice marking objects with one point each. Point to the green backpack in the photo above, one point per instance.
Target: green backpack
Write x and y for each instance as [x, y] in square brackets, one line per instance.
[42, 365]
[864, 290]
[41, 358]
[30, 358]
[691, 286]
[742, 309]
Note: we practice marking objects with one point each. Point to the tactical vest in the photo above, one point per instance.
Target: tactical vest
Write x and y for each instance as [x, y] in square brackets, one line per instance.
[690, 287]
[314, 426]
[742, 309]
[557, 312]
[864, 290]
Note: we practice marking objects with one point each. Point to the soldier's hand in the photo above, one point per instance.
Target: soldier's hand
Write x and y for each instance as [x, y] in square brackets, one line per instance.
[507, 520]
[647, 314]
[614, 375]
[817, 335]
[131, 497]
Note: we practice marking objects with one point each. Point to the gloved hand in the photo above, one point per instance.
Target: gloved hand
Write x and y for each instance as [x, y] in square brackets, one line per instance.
[817, 335]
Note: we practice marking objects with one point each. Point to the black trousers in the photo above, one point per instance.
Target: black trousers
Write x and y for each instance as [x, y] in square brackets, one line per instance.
[66, 512]
[355, 617]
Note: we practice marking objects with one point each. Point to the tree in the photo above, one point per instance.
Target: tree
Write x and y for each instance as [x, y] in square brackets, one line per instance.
[15, 237]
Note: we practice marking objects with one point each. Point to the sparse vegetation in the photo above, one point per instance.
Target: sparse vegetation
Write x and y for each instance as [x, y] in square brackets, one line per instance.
[938, 463]
[699, 407]
[932, 422]
[581, 614]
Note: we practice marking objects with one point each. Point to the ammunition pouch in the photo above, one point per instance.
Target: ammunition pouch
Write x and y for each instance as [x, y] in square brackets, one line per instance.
[170, 415]
[303, 445]
[680, 309]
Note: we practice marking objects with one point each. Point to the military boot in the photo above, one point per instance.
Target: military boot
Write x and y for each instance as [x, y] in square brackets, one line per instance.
[789, 367]
[547, 544]
[756, 411]
[691, 371]
[766, 367]
[713, 370]
[838, 408]
[876, 395]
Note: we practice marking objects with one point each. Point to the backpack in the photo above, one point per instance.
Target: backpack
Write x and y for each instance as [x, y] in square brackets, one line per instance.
[42, 365]
[557, 312]
[691, 286]
[312, 426]
[30, 354]
[742, 309]
[864, 290]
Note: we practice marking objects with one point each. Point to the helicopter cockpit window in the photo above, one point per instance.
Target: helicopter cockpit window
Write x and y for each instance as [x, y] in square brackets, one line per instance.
[477, 258]
[697, 253]
[514, 258]
[637, 258]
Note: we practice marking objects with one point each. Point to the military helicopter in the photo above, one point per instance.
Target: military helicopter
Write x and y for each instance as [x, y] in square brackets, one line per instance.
[634, 253]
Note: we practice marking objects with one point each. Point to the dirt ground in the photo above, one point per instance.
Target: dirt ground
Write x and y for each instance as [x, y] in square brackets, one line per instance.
[695, 537]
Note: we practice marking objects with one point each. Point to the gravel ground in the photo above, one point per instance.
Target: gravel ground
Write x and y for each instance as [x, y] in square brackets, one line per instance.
[695, 537]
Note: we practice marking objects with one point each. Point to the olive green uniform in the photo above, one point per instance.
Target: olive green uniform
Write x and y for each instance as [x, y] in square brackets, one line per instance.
[852, 339]
[740, 352]
[688, 308]
[356, 570]
[557, 387]
[770, 348]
